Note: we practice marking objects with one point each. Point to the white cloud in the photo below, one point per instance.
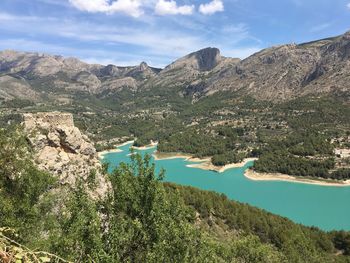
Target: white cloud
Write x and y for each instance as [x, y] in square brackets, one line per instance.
[237, 28]
[103, 57]
[320, 27]
[171, 8]
[107, 42]
[129, 7]
[159, 43]
[55, 2]
[348, 5]
[212, 7]
[9, 17]
[156, 46]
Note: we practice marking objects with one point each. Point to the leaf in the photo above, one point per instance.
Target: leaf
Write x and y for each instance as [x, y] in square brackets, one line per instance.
[17, 249]
[19, 256]
[45, 259]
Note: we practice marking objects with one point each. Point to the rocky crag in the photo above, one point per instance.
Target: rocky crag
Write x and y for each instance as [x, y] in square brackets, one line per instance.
[61, 149]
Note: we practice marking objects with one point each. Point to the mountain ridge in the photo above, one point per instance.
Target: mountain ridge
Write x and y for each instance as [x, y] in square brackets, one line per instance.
[278, 73]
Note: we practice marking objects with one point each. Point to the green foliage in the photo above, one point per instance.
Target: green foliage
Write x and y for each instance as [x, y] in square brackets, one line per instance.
[248, 249]
[143, 220]
[21, 183]
[18, 103]
[12, 251]
[143, 141]
[301, 154]
[341, 241]
[189, 141]
[230, 132]
[318, 112]
[80, 236]
[227, 158]
[341, 174]
[296, 242]
[8, 119]
[91, 179]
[282, 162]
[103, 147]
[146, 224]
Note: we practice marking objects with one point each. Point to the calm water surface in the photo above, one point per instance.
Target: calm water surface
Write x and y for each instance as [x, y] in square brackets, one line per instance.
[325, 207]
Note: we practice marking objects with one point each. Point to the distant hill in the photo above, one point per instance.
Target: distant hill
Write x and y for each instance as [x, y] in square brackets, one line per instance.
[276, 74]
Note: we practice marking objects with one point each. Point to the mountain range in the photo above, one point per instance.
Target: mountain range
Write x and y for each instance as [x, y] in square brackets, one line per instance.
[279, 73]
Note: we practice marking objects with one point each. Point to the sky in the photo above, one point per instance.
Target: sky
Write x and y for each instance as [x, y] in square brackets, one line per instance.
[127, 32]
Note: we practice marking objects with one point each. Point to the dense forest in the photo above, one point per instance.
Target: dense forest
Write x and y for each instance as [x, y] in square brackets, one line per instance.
[307, 153]
[140, 220]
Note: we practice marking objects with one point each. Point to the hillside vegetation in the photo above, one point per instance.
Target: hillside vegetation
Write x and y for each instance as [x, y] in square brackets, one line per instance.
[140, 220]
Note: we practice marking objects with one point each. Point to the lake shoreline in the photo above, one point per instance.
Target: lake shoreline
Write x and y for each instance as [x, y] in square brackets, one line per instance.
[159, 156]
[101, 154]
[255, 176]
[116, 150]
[207, 165]
[203, 163]
[146, 147]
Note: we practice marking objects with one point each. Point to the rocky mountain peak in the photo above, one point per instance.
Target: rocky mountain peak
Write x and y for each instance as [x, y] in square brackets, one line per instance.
[110, 70]
[143, 66]
[8, 53]
[208, 58]
[202, 60]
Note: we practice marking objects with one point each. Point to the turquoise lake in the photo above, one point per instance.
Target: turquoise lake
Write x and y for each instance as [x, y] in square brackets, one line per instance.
[323, 206]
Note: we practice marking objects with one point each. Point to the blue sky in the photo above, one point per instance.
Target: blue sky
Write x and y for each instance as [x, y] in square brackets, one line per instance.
[126, 32]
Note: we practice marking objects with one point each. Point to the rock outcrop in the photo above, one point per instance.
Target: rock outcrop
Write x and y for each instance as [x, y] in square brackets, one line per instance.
[190, 69]
[61, 149]
[202, 60]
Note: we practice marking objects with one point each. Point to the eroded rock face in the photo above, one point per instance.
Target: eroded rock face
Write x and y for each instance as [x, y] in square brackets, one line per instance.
[63, 150]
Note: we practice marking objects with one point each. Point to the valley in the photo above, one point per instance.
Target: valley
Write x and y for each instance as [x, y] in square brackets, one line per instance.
[192, 117]
[255, 151]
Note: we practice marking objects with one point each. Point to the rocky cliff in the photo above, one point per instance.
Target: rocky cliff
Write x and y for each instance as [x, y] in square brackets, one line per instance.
[191, 69]
[61, 149]
[202, 60]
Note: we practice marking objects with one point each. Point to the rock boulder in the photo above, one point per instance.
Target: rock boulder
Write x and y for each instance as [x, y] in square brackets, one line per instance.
[61, 149]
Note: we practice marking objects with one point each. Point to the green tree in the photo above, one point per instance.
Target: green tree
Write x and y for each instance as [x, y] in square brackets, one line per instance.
[21, 184]
[80, 232]
[146, 224]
